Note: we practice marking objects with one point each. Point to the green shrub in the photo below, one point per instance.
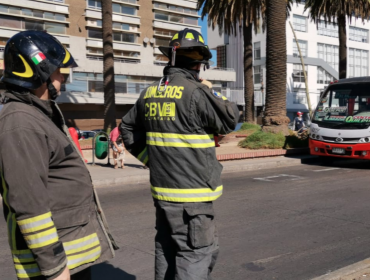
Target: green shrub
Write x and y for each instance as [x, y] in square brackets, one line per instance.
[263, 140]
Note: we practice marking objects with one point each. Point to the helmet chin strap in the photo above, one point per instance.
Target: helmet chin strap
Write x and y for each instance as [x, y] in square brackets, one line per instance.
[52, 90]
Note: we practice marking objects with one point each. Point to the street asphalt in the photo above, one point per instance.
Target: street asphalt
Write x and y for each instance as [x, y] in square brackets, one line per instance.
[288, 223]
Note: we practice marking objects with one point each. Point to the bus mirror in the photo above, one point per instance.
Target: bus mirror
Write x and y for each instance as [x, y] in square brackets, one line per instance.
[321, 94]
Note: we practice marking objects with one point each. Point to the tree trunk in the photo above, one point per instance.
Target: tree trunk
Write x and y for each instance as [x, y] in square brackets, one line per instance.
[108, 69]
[275, 119]
[342, 46]
[248, 69]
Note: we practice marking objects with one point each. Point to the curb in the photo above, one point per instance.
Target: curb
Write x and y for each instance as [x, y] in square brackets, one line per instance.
[259, 154]
[278, 162]
[350, 272]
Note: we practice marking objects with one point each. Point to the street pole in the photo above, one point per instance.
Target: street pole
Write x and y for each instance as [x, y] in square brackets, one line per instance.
[304, 72]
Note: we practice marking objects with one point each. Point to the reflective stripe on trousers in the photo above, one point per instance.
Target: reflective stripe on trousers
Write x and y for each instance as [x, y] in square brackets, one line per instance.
[186, 195]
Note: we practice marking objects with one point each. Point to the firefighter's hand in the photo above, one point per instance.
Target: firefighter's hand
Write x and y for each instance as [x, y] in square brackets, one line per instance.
[65, 275]
[205, 82]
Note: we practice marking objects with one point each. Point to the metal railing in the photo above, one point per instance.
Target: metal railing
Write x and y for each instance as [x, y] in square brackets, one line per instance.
[99, 58]
[56, 1]
[222, 69]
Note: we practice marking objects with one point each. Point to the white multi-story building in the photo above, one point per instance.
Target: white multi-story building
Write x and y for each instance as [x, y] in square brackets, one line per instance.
[139, 27]
[319, 45]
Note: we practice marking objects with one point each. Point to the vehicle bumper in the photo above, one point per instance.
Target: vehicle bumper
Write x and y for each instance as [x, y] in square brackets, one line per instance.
[320, 148]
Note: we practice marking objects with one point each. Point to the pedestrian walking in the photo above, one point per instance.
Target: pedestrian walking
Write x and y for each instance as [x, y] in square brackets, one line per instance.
[171, 129]
[56, 226]
[117, 147]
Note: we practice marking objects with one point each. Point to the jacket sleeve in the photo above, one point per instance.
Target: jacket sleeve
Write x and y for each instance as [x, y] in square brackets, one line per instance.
[24, 167]
[133, 133]
[216, 112]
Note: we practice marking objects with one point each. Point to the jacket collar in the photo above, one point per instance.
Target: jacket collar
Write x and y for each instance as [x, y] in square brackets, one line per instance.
[29, 99]
[189, 74]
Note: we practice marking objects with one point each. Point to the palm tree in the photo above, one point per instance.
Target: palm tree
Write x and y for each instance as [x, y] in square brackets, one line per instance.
[275, 119]
[338, 10]
[108, 69]
[230, 15]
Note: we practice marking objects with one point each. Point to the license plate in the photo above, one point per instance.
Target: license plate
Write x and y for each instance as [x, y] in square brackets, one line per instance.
[338, 151]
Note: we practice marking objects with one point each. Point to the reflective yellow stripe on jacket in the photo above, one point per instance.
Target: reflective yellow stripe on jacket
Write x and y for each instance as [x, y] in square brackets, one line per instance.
[186, 195]
[83, 250]
[195, 141]
[80, 251]
[143, 156]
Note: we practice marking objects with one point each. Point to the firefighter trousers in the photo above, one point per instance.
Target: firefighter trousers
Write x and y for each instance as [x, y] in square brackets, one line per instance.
[186, 243]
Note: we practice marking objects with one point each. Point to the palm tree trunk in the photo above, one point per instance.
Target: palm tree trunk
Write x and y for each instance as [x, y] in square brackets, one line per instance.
[248, 69]
[342, 46]
[275, 119]
[108, 68]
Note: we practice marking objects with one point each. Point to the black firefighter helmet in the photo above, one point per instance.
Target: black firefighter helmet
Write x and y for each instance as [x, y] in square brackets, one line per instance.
[189, 48]
[30, 57]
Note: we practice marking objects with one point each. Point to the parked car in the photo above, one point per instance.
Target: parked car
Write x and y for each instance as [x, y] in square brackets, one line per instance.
[87, 134]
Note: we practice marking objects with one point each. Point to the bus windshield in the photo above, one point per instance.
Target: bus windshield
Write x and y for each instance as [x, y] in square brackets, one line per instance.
[344, 105]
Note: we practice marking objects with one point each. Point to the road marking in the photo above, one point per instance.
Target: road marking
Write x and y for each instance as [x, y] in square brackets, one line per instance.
[323, 170]
[270, 258]
[287, 177]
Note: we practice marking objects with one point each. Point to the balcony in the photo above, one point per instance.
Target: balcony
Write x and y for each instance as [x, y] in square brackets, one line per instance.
[117, 18]
[96, 43]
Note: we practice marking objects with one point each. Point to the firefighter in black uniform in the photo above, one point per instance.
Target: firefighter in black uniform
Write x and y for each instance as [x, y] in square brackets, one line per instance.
[171, 129]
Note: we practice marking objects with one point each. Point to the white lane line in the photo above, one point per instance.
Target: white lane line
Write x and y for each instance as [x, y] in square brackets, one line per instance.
[287, 177]
[323, 170]
[271, 258]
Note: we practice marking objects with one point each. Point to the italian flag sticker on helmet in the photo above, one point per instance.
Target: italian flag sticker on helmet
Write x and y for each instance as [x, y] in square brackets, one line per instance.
[38, 58]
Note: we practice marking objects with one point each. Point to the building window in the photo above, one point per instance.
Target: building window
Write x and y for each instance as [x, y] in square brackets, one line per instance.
[298, 75]
[122, 9]
[358, 63]
[162, 42]
[31, 13]
[323, 77]
[303, 47]
[173, 8]
[257, 74]
[358, 34]
[221, 56]
[176, 18]
[329, 53]
[257, 51]
[164, 32]
[124, 37]
[11, 22]
[95, 34]
[94, 4]
[299, 97]
[327, 29]
[300, 23]
[128, 1]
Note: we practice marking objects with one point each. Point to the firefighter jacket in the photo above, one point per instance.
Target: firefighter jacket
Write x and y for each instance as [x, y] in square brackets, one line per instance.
[172, 132]
[53, 215]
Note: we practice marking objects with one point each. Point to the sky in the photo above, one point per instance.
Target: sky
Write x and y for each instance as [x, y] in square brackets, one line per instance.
[203, 24]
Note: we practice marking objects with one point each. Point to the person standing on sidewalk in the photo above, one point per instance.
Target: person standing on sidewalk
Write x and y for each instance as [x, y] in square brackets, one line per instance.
[56, 227]
[171, 130]
[117, 149]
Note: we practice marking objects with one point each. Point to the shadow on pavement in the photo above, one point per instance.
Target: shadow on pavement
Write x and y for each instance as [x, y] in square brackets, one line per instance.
[138, 166]
[106, 271]
[333, 162]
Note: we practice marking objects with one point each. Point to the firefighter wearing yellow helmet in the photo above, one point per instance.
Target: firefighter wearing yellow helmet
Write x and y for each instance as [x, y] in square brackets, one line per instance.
[171, 129]
[56, 228]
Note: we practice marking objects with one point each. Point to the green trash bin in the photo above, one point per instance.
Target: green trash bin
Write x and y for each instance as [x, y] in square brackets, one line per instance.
[101, 147]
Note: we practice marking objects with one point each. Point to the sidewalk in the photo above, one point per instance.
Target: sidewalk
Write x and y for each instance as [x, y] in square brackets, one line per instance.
[134, 172]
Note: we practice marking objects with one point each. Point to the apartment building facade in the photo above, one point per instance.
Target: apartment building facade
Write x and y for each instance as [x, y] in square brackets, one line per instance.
[319, 45]
[139, 27]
